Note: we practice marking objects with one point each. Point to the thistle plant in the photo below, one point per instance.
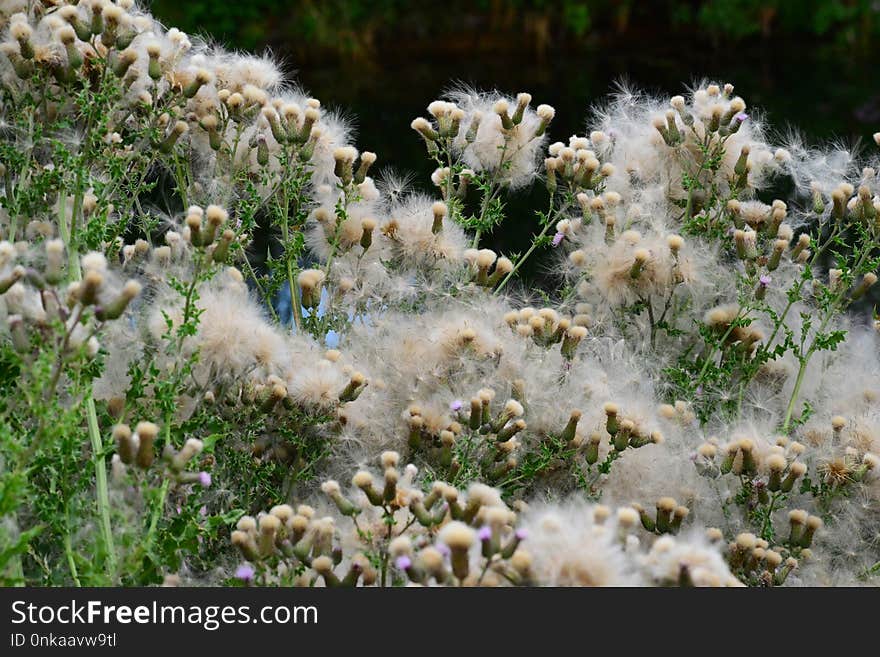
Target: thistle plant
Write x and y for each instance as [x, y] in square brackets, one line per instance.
[212, 305]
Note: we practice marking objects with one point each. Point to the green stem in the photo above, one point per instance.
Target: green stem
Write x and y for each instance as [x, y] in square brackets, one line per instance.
[154, 517]
[68, 550]
[534, 245]
[95, 439]
[794, 395]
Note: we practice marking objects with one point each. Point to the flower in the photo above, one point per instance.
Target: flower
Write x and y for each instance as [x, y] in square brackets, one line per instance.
[204, 479]
[245, 573]
[557, 238]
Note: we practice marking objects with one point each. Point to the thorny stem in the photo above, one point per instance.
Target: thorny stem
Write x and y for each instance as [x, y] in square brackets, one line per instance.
[68, 550]
[97, 443]
[534, 245]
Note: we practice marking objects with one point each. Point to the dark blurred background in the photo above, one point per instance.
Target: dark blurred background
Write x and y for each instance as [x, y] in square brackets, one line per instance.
[809, 64]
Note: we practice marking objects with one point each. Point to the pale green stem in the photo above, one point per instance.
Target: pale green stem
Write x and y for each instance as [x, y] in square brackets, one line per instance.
[795, 393]
[97, 443]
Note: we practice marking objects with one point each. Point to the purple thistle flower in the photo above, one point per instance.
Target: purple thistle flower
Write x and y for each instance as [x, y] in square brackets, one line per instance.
[442, 549]
[764, 281]
[245, 573]
[521, 533]
[557, 238]
[456, 405]
[485, 533]
[742, 116]
[204, 479]
[403, 562]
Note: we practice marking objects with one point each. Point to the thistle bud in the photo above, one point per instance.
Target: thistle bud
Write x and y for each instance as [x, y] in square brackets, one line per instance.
[864, 285]
[591, 454]
[522, 102]
[146, 435]
[167, 144]
[364, 481]
[332, 490]
[776, 464]
[367, 160]
[126, 446]
[641, 256]
[545, 114]
[423, 127]
[459, 538]
[795, 471]
[310, 283]
[115, 308]
[200, 79]
[646, 520]
[89, 288]
[611, 423]
[154, 69]
[245, 542]
[500, 108]
[439, 210]
[355, 387]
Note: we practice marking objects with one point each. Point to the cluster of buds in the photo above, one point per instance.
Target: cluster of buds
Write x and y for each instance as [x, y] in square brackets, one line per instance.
[679, 412]
[756, 563]
[449, 561]
[775, 471]
[36, 302]
[577, 165]
[107, 32]
[765, 220]
[445, 178]
[546, 328]
[723, 115]
[345, 158]
[477, 522]
[202, 229]
[138, 449]
[345, 233]
[464, 521]
[735, 330]
[498, 430]
[667, 519]
[487, 269]
[446, 126]
[296, 546]
[623, 434]
[856, 205]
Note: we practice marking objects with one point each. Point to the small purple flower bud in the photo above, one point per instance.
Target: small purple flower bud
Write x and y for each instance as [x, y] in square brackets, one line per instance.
[443, 549]
[742, 116]
[557, 238]
[205, 479]
[521, 533]
[203, 511]
[764, 281]
[485, 533]
[245, 573]
[403, 562]
[456, 405]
